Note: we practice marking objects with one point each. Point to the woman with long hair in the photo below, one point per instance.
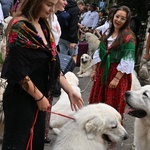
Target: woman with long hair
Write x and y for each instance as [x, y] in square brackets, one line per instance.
[31, 68]
[115, 62]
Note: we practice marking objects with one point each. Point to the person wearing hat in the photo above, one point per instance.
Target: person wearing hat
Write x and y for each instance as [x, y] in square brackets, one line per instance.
[91, 18]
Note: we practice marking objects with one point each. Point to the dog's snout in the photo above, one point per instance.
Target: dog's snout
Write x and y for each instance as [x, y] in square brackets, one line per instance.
[126, 136]
[127, 94]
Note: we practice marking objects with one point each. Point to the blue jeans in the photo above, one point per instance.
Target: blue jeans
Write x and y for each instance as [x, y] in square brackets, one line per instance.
[64, 47]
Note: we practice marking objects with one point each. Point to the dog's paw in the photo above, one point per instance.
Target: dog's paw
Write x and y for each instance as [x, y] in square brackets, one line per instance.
[56, 131]
[78, 73]
[80, 76]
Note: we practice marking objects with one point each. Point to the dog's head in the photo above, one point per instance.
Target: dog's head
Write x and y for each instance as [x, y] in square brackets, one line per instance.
[138, 102]
[85, 58]
[72, 78]
[102, 123]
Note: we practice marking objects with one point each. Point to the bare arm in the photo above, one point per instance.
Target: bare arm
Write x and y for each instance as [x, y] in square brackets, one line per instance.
[29, 87]
[94, 71]
[116, 79]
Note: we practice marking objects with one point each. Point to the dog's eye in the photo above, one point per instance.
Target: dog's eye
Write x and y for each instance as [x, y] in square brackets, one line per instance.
[145, 94]
[114, 127]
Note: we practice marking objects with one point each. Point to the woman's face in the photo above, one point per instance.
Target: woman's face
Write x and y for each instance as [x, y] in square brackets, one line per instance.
[119, 19]
[60, 5]
[47, 8]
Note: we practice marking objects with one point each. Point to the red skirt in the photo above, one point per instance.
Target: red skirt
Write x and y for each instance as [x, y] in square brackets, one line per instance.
[113, 97]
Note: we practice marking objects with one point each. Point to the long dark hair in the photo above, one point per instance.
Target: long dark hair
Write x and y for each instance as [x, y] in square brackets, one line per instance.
[122, 31]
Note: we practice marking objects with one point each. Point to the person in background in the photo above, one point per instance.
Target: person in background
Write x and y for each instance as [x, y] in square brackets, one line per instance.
[31, 69]
[102, 17]
[135, 25]
[88, 6]
[1, 14]
[114, 62]
[68, 42]
[56, 30]
[104, 29]
[91, 18]
[102, 4]
[83, 13]
[6, 7]
[147, 52]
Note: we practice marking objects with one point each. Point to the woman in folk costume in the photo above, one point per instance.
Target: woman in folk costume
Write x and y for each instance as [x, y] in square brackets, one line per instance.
[114, 62]
[31, 68]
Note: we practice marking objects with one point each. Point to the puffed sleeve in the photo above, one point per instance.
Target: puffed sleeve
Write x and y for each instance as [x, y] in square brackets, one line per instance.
[127, 62]
[96, 57]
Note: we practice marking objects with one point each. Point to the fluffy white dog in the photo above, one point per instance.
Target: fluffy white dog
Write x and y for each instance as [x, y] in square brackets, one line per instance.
[92, 40]
[86, 64]
[139, 106]
[95, 127]
[62, 106]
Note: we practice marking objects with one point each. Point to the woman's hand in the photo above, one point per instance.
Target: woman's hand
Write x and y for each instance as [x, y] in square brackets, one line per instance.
[114, 83]
[43, 104]
[93, 76]
[75, 100]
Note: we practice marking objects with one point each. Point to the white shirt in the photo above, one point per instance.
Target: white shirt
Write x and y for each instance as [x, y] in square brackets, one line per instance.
[103, 28]
[56, 30]
[125, 66]
[90, 19]
[1, 14]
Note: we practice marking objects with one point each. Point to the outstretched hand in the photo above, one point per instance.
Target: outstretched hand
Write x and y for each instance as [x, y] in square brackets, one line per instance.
[76, 101]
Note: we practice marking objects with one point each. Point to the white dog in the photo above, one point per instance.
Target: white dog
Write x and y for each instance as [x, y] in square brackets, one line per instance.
[93, 42]
[63, 104]
[139, 106]
[86, 64]
[3, 85]
[95, 127]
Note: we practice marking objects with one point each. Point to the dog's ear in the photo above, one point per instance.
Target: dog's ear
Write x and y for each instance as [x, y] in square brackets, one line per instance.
[87, 37]
[92, 127]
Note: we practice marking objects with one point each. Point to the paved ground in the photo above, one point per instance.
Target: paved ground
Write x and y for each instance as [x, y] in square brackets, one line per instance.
[128, 121]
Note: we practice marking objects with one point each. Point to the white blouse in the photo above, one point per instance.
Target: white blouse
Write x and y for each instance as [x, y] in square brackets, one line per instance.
[125, 66]
[55, 26]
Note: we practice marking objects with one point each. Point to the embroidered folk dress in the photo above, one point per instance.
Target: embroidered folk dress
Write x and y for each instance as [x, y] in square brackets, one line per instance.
[112, 62]
[27, 55]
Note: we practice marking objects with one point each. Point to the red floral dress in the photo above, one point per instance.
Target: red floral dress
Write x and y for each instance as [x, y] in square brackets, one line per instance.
[114, 97]
[111, 96]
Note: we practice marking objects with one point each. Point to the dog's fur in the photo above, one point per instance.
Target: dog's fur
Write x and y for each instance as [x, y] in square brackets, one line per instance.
[94, 128]
[86, 64]
[93, 42]
[144, 72]
[136, 85]
[3, 85]
[139, 106]
[62, 106]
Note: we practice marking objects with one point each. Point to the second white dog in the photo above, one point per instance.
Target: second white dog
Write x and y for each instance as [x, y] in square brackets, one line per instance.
[86, 64]
[62, 106]
[139, 106]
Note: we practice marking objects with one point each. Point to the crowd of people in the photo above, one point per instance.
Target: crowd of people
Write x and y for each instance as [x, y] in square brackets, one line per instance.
[38, 31]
